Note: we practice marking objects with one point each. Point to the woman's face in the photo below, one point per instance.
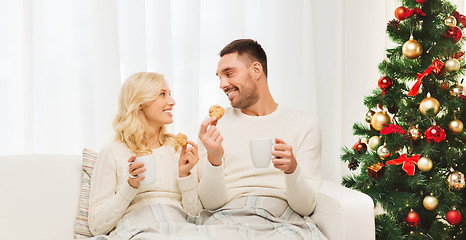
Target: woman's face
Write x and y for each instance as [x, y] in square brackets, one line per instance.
[159, 111]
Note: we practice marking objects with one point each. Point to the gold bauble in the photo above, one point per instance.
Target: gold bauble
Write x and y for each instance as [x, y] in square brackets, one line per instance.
[456, 90]
[455, 126]
[383, 152]
[375, 142]
[412, 49]
[452, 64]
[430, 202]
[424, 164]
[429, 103]
[450, 21]
[379, 119]
[456, 180]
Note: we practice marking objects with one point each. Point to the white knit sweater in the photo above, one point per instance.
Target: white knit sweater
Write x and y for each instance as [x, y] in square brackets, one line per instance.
[111, 196]
[237, 176]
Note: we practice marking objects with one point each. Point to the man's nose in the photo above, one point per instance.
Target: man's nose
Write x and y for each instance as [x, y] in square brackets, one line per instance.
[224, 83]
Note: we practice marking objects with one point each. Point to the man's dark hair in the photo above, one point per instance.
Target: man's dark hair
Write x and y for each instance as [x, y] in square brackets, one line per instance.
[248, 47]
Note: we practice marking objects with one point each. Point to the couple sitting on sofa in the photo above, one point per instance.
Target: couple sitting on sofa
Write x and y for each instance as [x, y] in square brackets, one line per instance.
[224, 197]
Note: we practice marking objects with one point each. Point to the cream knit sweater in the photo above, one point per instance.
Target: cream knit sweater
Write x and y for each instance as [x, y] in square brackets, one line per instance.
[111, 197]
[237, 176]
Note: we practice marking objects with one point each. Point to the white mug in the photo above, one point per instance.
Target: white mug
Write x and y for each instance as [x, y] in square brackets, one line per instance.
[149, 173]
[261, 151]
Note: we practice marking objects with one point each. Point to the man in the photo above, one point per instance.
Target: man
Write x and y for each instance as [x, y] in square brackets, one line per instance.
[273, 202]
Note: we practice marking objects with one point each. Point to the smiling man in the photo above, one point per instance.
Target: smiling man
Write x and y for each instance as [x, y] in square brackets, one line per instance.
[249, 202]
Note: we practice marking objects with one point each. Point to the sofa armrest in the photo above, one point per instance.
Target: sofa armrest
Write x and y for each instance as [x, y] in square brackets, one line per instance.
[344, 214]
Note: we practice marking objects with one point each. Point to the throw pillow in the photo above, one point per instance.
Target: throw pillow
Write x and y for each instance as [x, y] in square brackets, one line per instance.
[81, 226]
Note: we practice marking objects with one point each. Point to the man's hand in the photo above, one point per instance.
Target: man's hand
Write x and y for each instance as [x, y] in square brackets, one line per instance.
[212, 140]
[284, 158]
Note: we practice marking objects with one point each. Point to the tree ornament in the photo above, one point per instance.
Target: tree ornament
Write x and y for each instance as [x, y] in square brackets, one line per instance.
[456, 90]
[375, 142]
[414, 132]
[421, 1]
[383, 152]
[450, 21]
[376, 170]
[435, 134]
[430, 202]
[353, 165]
[454, 33]
[360, 147]
[452, 64]
[456, 180]
[400, 12]
[455, 126]
[429, 103]
[394, 25]
[379, 119]
[385, 83]
[393, 109]
[412, 49]
[412, 219]
[425, 164]
[453, 217]
[368, 115]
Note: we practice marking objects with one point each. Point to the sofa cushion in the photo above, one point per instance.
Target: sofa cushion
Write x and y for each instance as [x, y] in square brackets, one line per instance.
[81, 226]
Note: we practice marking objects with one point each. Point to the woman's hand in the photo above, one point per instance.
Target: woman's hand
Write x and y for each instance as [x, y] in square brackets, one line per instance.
[188, 158]
[133, 170]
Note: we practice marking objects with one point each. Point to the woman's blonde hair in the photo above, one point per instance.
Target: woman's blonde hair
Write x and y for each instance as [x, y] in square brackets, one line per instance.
[130, 124]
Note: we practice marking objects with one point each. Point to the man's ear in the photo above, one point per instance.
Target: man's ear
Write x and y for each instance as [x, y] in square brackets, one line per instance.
[256, 69]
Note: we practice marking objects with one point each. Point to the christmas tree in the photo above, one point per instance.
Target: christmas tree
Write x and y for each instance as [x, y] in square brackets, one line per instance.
[410, 147]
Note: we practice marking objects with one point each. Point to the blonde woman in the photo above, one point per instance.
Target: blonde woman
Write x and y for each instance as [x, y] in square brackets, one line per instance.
[120, 207]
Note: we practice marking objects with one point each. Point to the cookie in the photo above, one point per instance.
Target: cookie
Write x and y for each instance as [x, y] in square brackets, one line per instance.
[181, 139]
[216, 111]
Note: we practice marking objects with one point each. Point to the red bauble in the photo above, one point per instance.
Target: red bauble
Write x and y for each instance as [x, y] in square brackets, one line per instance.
[360, 147]
[385, 83]
[412, 219]
[399, 12]
[435, 134]
[454, 33]
[453, 217]
[421, 1]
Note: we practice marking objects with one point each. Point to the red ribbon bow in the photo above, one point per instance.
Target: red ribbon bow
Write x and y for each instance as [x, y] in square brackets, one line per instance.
[408, 163]
[436, 67]
[391, 128]
[411, 12]
[460, 18]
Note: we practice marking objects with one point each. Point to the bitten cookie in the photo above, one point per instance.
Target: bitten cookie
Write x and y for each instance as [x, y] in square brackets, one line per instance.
[181, 139]
[216, 111]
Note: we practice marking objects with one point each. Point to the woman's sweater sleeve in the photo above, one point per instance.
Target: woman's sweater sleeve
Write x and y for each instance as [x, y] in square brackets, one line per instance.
[106, 204]
[189, 194]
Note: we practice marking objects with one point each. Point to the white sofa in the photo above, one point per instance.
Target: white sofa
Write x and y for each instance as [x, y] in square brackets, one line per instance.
[39, 200]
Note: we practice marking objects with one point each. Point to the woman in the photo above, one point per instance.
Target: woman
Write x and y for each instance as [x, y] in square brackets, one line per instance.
[119, 205]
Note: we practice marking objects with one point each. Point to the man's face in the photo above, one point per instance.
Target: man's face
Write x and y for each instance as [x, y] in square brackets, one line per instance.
[236, 80]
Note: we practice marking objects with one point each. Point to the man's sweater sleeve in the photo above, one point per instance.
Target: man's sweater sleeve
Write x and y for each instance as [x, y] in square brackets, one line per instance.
[212, 186]
[301, 186]
[106, 205]
[300, 193]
